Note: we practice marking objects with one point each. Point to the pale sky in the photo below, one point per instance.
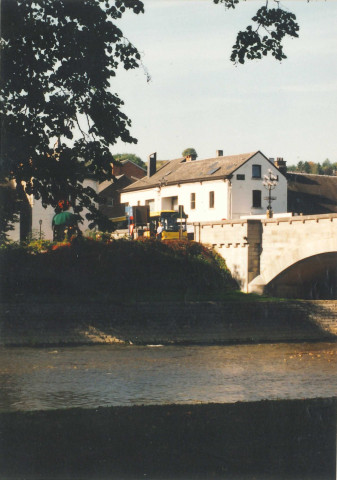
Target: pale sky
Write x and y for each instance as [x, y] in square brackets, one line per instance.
[198, 98]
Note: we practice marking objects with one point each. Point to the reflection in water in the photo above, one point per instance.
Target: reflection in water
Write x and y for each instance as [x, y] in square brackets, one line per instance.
[39, 379]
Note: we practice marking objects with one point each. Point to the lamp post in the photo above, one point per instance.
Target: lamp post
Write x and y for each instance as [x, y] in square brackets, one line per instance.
[269, 182]
[40, 222]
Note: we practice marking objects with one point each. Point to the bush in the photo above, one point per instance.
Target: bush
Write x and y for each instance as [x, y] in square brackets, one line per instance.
[117, 268]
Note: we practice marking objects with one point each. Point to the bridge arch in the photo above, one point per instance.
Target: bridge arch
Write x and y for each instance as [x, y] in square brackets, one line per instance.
[314, 277]
[263, 253]
[297, 256]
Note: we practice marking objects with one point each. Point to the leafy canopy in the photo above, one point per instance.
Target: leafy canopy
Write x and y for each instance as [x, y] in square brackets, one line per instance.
[266, 36]
[326, 168]
[189, 151]
[59, 117]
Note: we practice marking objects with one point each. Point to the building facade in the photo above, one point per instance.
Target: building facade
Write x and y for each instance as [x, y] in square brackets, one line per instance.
[218, 188]
[36, 220]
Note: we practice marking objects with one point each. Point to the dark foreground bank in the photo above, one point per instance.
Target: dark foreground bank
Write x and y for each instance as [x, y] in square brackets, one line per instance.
[262, 440]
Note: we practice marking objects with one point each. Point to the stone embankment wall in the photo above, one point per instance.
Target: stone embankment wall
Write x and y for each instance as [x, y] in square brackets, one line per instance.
[167, 323]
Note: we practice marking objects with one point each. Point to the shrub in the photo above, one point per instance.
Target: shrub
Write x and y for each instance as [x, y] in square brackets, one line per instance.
[88, 267]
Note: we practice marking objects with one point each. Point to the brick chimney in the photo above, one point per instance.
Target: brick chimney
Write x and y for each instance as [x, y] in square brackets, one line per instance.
[152, 164]
[219, 153]
[190, 158]
[281, 165]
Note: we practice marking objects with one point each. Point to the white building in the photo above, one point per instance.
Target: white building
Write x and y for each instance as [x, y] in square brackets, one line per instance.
[35, 218]
[219, 188]
[47, 214]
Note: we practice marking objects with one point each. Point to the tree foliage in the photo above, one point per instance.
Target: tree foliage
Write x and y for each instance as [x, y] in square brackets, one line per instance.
[189, 151]
[9, 210]
[271, 26]
[130, 156]
[326, 168]
[59, 117]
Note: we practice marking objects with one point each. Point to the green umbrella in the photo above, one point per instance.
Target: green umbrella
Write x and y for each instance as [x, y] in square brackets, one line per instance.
[64, 218]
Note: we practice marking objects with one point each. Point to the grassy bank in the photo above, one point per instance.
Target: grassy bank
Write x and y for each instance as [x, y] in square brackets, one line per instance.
[116, 271]
[263, 440]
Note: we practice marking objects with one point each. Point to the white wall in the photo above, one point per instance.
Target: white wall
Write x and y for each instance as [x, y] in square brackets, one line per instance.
[44, 214]
[232, 199]
[47, 214]
[141, 196]
[242, 196]
[202, 211]
[14, 235]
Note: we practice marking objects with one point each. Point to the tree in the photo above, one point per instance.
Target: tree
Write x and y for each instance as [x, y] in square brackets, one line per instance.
[274, 23]
[327, 168]
[130, 156]
[59, 118]
[189, 151]
[9, 210]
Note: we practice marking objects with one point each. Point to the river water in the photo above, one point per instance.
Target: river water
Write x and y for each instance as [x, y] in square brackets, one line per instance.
[100, 376]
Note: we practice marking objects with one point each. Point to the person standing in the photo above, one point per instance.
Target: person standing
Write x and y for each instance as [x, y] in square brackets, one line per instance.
[159, 233]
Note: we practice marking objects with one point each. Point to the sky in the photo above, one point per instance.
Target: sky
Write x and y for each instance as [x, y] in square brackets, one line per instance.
[198, 98]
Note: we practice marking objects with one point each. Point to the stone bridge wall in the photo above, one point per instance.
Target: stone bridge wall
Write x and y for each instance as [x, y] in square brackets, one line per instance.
[287, 241]
[256, 251]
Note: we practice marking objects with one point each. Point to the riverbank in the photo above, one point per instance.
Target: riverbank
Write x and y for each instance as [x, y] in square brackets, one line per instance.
[293, 439]
[180, 323]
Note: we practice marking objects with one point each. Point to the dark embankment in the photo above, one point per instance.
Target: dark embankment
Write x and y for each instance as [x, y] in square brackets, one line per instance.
[141, 292]
[264, 440]
[121, 270]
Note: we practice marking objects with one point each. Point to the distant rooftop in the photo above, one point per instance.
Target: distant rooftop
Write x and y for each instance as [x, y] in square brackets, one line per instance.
[312, 194]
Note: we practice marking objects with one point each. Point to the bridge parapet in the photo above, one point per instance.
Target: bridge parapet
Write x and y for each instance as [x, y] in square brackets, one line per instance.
[258, 250]
[238, 242]
[221, 233]
[286, 243]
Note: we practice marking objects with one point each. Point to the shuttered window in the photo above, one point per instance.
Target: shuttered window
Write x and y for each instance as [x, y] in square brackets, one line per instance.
[192, 201]
[211, 199]
[257, 198]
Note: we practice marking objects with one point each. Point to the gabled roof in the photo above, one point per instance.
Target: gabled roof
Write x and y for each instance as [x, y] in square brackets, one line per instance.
[179, 171]
[312, 194]
[126, 160]
[107, 187]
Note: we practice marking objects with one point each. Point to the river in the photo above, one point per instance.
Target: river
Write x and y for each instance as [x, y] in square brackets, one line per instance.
[101, 376]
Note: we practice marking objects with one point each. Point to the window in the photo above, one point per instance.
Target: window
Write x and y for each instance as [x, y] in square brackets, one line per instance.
[192, 201]
[257, 198]
[256, 171]
[240, 176]
[211, 199]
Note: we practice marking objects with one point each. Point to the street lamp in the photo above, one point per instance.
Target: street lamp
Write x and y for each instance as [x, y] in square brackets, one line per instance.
[269, 182]
[40, 222]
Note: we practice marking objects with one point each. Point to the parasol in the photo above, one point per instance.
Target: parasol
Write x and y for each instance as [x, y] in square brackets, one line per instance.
[65, 218]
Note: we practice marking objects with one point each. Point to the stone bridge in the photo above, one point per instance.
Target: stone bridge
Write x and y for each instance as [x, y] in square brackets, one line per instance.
[293, 256]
